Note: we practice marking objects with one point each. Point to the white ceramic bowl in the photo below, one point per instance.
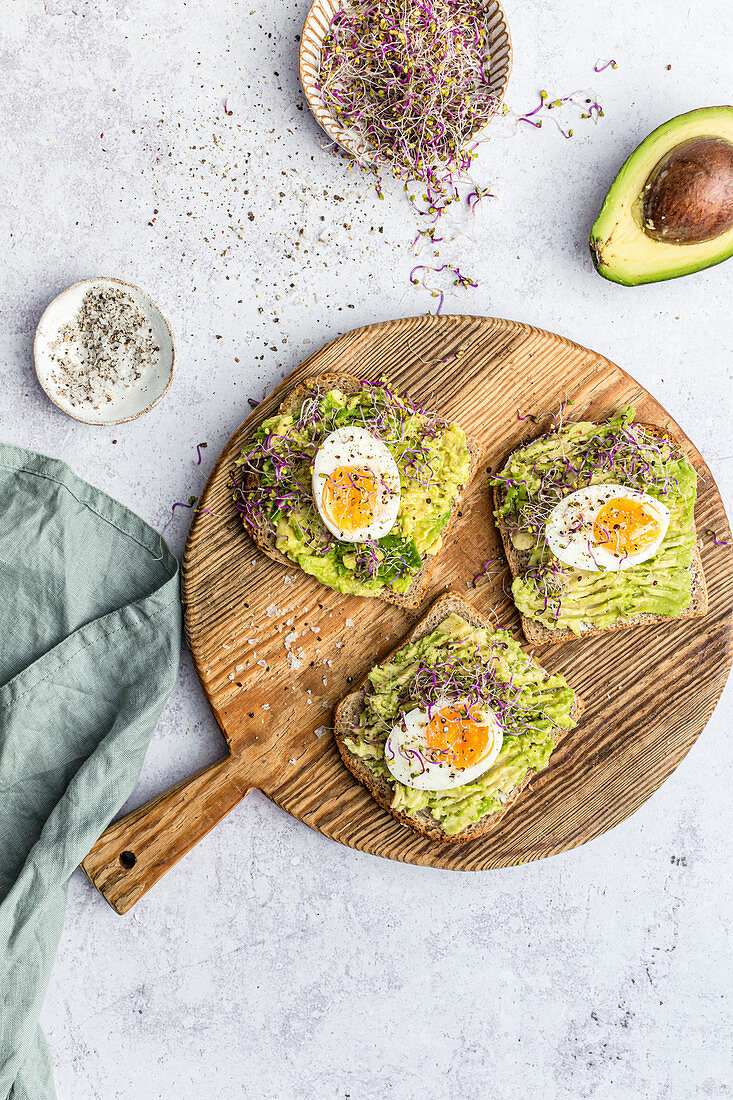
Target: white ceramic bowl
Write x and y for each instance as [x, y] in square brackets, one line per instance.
[311, 41]
[138, 398]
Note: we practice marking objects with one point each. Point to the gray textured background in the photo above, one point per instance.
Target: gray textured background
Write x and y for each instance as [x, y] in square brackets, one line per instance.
[271, 962]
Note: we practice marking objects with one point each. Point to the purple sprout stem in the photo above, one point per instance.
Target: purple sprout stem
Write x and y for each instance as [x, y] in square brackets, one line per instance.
[484, 571]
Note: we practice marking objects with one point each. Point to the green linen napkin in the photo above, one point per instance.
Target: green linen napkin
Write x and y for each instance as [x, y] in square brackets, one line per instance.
[90, 637]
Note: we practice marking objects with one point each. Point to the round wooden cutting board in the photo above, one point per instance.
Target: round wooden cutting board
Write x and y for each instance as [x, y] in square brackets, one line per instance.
[648, 691]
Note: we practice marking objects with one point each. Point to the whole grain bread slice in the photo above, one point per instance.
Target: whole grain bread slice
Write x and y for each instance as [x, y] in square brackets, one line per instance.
[347, 713]
[264, 533]
[539, 634]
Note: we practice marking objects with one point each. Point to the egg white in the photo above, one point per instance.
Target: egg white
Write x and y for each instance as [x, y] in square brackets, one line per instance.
[354, 446]
[411, 762]
[569, 528]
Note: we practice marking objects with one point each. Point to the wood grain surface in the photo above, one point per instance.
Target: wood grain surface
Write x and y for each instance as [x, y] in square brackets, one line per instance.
[648, 691]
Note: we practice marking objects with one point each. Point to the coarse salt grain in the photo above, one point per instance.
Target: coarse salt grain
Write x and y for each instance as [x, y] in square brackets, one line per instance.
[104, 350]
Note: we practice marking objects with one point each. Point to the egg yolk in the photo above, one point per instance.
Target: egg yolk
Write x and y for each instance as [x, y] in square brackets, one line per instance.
[626, 526]
[350, 497]
[460, 735]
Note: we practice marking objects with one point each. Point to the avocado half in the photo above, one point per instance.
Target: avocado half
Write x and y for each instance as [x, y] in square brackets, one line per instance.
[669, 211]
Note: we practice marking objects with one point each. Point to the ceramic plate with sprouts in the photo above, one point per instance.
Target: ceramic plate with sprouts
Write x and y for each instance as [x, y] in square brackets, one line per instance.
[315, 34]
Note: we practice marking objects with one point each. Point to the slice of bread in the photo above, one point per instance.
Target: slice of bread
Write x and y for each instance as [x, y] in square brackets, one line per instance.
[347, 713]
[264, 534]
[539, 634]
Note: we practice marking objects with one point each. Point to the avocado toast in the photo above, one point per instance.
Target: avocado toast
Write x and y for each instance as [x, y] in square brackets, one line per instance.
[558, 600]
[454, 656]
[276, 487]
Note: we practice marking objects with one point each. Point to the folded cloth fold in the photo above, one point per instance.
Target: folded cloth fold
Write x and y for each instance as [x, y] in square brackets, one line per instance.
[90, 637]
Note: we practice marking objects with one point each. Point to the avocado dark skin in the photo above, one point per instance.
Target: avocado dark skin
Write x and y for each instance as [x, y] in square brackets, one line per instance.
[669, 211]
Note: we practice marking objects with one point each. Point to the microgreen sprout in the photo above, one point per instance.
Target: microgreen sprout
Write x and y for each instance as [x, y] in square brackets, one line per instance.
[601, 65]
[423, 234]
[460, 280]
[484, 571]
[411, 78]
[182, 504]
[411, 81]
[583, 103]
[191, 504]
[529, 116]
[559, 418]
[476, 196]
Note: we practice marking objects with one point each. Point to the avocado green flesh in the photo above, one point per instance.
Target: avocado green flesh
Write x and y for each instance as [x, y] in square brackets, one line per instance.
[581, 598]
[544, 708]
[424, 510]
[621, 250]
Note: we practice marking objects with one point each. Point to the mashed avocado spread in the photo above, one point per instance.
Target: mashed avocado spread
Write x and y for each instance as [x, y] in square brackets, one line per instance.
[619, 452]
[488, 667]
[433, 460]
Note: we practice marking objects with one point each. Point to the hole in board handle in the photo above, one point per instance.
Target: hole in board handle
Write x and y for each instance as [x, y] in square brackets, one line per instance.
[128, 860]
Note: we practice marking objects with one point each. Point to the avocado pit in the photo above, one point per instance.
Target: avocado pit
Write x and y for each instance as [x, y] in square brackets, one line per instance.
[688, 197]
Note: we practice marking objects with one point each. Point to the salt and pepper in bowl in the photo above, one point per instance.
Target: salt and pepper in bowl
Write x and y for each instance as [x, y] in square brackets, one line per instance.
[103, 351]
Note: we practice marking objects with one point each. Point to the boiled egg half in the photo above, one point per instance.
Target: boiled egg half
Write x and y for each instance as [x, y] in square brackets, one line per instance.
[453, 744]
[606, 527]
[356, 485]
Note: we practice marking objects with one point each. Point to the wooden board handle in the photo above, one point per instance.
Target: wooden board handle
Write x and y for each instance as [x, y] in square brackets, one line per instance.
[137, 850]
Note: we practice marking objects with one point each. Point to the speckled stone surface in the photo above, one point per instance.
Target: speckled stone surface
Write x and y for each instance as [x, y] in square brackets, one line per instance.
[271, 962]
